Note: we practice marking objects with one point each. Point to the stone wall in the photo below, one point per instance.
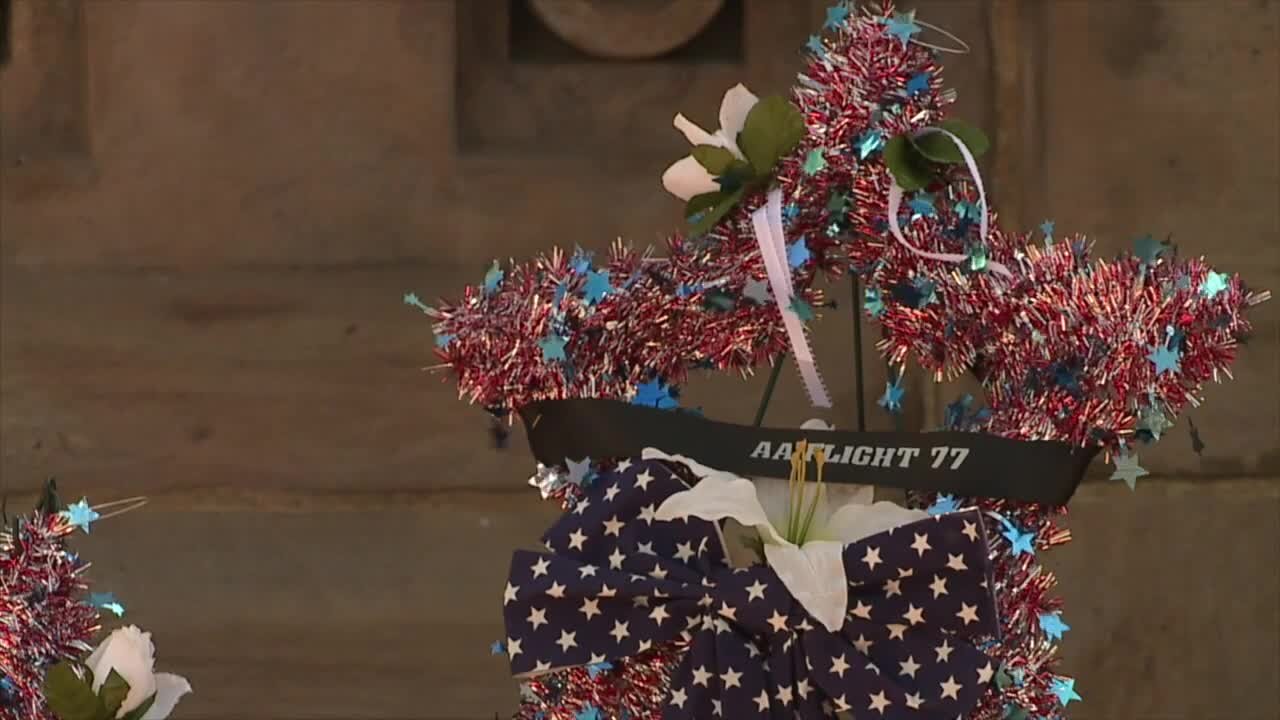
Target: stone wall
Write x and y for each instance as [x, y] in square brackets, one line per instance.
[210, 210]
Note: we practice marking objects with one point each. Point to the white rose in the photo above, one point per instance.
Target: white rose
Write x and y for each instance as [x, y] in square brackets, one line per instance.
[130, 653]
[687, 178]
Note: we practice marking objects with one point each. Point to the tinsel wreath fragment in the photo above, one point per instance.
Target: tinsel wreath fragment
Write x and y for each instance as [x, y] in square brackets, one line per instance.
[1071, 348]
[44, 617]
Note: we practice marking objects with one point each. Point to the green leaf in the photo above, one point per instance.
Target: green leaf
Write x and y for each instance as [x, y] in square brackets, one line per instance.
[69, 697]
[910, 169]
[138, 712]
[715, 159]
[713, 215]
[701, 203]
[113, 692]
[942, 149]
[772, 129]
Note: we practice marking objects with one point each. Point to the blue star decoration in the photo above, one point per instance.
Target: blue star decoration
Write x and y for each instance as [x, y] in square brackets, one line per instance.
[443, 340]
[590, 712]
[596, 287]
[757, 291]
[814, 162]
[412, 300]
[552, 348]
[815, 45]
[1213, 284]
[1065, 689]
[655, 394]
[868, 143]
[595, 669]
[943, 505]
[1052, 625]
[1165, 358]
[107, 601]
[872, 302]
[801, 309]
[956, 411]
[580, 262]
[498, 648]
[790, 212]
[891, 400]
[80, 515]
[918, 83]
[493, 278]
[922, 205]
[798, 253]
[1128, 469]
[903, 27]
[1046, 227]
[836, 15]
[1019, 540]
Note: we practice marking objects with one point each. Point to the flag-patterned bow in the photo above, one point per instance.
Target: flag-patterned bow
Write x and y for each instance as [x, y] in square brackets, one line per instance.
[617, 582]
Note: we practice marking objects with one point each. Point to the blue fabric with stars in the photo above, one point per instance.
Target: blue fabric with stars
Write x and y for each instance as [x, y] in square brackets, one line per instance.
[617, 582]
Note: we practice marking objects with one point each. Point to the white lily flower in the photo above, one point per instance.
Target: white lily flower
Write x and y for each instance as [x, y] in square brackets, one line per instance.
[687, 178]
[803, 537]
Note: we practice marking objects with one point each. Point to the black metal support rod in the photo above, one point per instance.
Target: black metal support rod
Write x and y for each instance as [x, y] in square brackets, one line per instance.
[768, 388]
[859, 376]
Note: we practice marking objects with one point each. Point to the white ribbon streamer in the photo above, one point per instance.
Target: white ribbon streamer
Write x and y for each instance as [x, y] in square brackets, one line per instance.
[767, 221]
[895, 203]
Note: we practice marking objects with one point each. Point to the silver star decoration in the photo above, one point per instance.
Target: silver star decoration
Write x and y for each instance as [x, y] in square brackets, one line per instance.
[1128, 470]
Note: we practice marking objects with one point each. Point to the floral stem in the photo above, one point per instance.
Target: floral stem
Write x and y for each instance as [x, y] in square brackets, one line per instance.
[819, 458]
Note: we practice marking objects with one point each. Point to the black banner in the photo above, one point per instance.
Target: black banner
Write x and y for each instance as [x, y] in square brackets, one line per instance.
[962, 464]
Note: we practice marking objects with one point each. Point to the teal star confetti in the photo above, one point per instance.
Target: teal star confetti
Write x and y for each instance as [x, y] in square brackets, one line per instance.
[798, 253]
[1153, 422]
[891, 400]
[814, 162]
[968, 211]
[927, 290]
[108, 602]
[757, 291]
[1165, 358]
[1149, 249]
[656, 394]
[552, 348]
[1213, 284]
[498, 648]
[684, 290]
[790, 212]
[595, 669]
[801, 309]
[977, 258]
[590, 712]
[1046, 227]
[1128, 469]
[918, 83]
[815, 45]
[596, 287]
[561, 291]
[1052, 625]
[872, 302]
[412, 300]
[493, 278]
[836, 15]
[903, 27]
[443, 340]
[80, 515]
[869, 143]
[922, 205]
[1065, 689]
[943, 505]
